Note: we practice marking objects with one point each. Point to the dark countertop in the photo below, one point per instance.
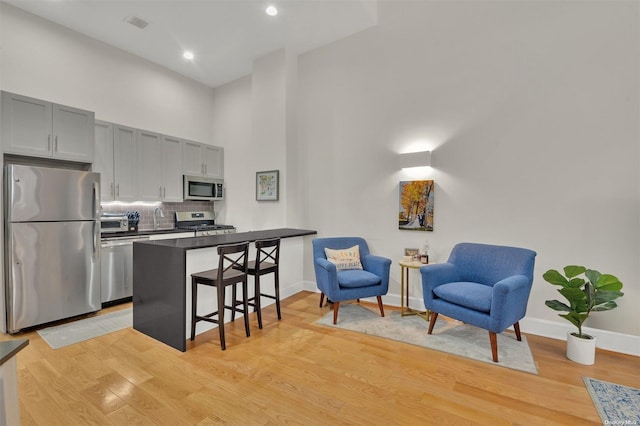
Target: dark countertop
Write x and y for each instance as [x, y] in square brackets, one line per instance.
[144, 233]
[10, 348]
[222, 239]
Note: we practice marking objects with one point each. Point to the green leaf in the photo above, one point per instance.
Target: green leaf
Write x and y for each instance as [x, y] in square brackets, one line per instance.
[603, 296]
[576, 283]
[573, 270]
[575, 319]
[557, 305]
[554, 277]
[605, 307]
[592, 275]
[607, 282]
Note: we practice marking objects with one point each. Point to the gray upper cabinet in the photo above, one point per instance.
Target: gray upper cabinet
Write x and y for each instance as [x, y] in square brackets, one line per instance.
[39, 128]
[125, 163]
[116, 149]
[103, 162]
[171, 169]
[202, 160]
[149, 166]
[159, 167]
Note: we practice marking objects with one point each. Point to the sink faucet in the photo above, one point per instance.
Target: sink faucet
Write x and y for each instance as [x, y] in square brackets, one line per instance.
[155, 217]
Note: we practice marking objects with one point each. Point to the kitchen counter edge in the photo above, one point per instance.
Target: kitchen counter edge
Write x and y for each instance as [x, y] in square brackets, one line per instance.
[223, 239]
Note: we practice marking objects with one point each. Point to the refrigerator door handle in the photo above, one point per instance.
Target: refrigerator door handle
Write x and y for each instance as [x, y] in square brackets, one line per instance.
[96, 200]
[96, 240]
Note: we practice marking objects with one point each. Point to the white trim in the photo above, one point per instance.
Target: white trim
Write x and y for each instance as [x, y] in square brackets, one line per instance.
[609, 340]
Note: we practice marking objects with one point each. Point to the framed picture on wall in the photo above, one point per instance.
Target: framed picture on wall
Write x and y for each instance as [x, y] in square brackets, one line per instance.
[416, 205]
[267, 185]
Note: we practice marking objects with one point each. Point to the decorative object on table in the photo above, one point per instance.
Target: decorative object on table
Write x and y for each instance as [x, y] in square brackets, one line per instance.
[268, 185]
[424, 252]
[416, 205]
[616, 404]
[338, 276]
[412, 253]
[70, 333]
[448, 336]
[587, 291]
[483, 285]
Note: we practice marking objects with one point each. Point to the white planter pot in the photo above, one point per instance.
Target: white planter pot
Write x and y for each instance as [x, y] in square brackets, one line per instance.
[582, 351]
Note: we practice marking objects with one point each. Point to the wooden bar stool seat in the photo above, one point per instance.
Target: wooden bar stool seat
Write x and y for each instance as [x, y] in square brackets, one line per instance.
[231, 271]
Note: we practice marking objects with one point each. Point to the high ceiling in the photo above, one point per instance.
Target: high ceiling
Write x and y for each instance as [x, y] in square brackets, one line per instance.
[224, 35]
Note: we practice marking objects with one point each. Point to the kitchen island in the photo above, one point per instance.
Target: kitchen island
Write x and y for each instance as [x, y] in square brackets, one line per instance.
[162, 282]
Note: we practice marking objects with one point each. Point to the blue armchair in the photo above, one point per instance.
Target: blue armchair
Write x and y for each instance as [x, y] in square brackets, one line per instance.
[483, 285]
[339, 285]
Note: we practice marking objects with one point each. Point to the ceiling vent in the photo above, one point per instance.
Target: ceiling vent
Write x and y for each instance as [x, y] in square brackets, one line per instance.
[136, 22]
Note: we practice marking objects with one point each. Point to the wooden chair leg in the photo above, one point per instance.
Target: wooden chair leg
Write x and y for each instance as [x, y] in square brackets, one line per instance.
[245, 305]
[432, 321]
[277, 288]
[223, 345]
[380, 306]
[516, 327]
[336, 306]
[256, 301]
[194, 305]
[234, 296]
[494, 345]
[321, 299]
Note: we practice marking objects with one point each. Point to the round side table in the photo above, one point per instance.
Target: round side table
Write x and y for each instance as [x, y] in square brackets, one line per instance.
[405, 309]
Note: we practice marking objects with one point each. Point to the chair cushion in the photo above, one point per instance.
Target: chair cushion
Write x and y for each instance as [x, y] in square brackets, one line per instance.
[470, 295]
[344, 259]
[354, 278]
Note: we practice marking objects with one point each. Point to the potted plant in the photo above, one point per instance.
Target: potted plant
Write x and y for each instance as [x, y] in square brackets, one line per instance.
[587, 291]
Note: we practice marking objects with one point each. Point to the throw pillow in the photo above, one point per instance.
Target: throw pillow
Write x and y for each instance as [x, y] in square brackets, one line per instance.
[344, 259]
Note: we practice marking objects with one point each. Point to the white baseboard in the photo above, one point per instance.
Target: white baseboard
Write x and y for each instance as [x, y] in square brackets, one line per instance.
[608, 340]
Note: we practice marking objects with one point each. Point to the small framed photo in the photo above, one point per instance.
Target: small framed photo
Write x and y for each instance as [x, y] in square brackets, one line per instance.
[267, 185]
[411, 252]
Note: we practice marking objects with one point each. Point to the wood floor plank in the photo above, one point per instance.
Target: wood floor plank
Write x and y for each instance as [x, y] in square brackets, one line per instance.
[295, 371]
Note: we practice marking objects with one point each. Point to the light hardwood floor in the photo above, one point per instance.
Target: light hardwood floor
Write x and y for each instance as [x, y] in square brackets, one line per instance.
[296, 372]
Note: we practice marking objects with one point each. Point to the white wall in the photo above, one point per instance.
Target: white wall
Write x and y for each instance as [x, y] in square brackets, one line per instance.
[46, 61]
[532, 110]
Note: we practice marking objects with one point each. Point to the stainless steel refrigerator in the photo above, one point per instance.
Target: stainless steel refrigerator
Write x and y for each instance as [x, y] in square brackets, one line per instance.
[52, 244]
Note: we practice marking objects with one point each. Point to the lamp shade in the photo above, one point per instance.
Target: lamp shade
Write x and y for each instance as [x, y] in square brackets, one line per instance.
[415, 159]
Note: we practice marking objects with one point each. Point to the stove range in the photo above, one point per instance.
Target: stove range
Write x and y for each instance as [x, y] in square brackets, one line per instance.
[203, 223]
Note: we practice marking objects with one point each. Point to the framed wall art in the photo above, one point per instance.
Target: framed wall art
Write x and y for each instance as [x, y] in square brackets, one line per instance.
[267, 185]
[416, 205]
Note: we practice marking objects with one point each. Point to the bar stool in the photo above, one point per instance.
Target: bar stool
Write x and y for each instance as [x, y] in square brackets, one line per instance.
[267, 262]
[232, 270]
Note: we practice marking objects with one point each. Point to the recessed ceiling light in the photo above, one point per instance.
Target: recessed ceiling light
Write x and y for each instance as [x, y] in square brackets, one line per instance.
[188, 55]
[271, 11]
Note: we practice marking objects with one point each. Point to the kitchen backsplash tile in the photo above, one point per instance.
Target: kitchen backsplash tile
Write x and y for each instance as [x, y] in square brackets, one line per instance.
[169, 209]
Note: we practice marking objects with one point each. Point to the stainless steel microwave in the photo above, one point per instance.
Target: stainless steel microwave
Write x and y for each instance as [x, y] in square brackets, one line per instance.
[203, 188]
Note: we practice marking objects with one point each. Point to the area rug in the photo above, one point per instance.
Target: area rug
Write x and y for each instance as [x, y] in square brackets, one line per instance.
[451, 337]
[616, 404]
[77, 331]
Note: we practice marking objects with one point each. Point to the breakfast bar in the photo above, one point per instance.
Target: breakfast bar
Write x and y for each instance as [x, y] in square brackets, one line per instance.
[161, 277]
